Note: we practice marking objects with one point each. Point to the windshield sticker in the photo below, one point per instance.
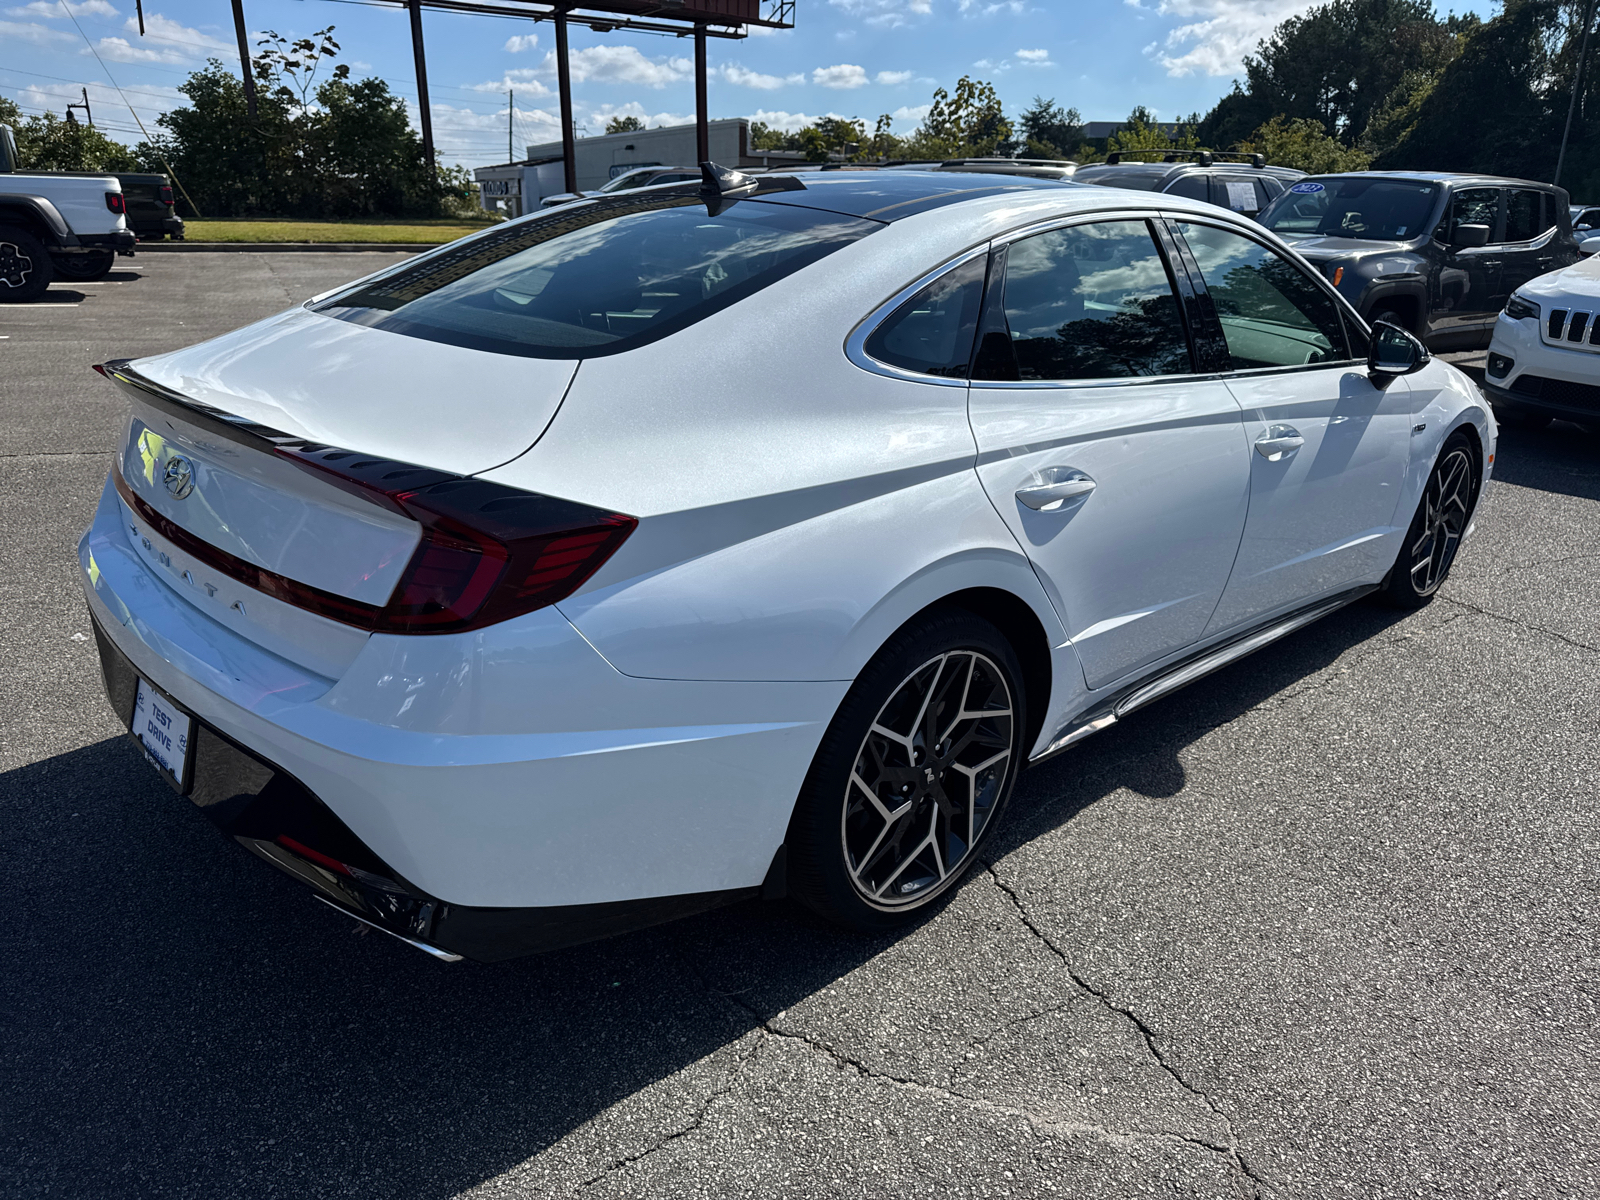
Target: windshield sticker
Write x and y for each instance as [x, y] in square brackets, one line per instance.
[1400, 231]
[1242, 197]
[1306, 188]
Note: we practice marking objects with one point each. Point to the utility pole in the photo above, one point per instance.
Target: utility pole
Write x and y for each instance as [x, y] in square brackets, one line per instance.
[84, 106]
[511, 112]
[1577, 89]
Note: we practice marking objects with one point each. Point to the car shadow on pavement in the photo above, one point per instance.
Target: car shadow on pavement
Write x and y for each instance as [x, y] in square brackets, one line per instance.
[180, 1020]
[1559, 458]
[60, 295]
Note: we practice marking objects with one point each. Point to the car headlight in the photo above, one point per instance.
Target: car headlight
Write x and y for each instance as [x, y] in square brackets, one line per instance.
[1519, 309]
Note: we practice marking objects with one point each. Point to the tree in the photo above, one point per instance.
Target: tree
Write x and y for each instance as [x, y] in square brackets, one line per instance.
[10, 114]
[971, 124]
[48, 143]
[1499, 106]
[1304, 144]
[1049, 131]
[1336, 64]
[624, 125]
[1143, 133]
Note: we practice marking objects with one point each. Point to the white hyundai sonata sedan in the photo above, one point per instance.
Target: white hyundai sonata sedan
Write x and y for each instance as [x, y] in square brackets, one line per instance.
[738, 538]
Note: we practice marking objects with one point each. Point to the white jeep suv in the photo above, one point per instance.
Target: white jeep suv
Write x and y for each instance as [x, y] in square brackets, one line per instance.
[1544, 361]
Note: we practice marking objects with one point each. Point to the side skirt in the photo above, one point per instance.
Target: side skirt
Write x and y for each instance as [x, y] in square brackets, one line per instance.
[1170, 678]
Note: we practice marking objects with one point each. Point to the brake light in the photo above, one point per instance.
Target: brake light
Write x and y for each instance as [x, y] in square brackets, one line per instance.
[488, 552]
[166, 195]
[116, 202]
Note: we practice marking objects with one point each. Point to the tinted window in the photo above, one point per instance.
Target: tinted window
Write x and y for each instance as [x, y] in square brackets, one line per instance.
[1272, 313]
[596, 277]
[1383, 209]
[1589, 218]
[1523, 222]
[1194, 187]
[1242, 195]
[1475, 206]
[932, 332]
[1092, 302]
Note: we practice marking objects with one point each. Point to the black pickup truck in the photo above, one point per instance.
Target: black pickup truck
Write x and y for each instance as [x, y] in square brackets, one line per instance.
[1436, 254]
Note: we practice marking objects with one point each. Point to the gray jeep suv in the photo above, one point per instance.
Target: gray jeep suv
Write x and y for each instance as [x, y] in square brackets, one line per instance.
[1436, 254]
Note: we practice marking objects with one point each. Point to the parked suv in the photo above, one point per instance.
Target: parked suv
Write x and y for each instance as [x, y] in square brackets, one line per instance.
[1436, 254]
[1241, 182]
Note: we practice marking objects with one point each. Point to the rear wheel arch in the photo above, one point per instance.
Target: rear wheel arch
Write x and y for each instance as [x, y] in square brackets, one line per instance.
[27, 219]
[1021, 626]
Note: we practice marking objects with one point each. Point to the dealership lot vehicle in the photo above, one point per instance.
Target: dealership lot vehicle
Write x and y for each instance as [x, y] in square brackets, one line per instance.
[592, 653]
[51, 223]
[628, 181]
[1436, 254]
[1544, 361]
[1242, 183]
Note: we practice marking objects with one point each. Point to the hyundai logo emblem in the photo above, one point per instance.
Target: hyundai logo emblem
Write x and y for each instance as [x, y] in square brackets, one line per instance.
[178, 478]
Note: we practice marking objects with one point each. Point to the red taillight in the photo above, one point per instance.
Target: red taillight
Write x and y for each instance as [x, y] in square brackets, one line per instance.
[166, 195]
[316, 856]
[488, 552]
[116, 203]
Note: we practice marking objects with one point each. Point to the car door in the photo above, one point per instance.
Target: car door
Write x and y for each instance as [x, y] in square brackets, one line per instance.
[1121, 470]
[1529, 243]
[1328, 447]
[1470, 290]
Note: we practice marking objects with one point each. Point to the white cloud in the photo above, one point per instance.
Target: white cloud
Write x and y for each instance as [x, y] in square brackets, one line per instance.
[1034, 56]
[893, 78]
[734, 73]
[887, 14]
[1225, 31]
[121, 50]
[164, 41]
[844, 75]
[1015, 7]
[787, 121]
[518, 42]
[32, 31]
[911, 112]
[620, 64]
[52, 9]
[523, 79]
[110, 112]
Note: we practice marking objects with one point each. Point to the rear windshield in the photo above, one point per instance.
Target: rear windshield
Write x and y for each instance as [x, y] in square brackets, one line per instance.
[1384, 210]
[597, 278]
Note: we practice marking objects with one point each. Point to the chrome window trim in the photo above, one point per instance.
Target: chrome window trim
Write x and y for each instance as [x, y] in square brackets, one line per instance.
[855, 346]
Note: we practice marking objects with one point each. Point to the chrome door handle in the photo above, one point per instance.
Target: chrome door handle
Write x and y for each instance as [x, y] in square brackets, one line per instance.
[1279, 441]
[1057, 486]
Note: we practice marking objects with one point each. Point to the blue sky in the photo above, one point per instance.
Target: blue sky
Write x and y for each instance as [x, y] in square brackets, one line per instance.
[845, 57]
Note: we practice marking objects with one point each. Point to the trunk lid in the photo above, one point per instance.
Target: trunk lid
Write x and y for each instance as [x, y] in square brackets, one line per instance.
[383, 394]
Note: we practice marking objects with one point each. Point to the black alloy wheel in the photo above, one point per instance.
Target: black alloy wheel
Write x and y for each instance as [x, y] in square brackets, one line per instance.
[912, 774]
[96, 264]
[25, 267]
[1441, 521]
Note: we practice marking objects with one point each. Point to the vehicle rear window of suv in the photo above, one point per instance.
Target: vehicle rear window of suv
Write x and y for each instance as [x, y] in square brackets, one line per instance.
[597, 277]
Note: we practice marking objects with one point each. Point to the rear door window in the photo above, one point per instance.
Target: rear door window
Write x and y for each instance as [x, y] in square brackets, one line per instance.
[1272, 313]
[1523, 215]
[1475, 206]
[597, 277]
[1195, 187]
[1093, 302]
[1240, 193]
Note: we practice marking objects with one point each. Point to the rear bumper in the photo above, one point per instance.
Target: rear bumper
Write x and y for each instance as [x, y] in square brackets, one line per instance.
[122, 241]
[517, 791]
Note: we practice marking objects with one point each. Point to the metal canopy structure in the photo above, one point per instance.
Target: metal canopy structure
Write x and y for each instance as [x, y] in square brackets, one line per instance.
[700, 19]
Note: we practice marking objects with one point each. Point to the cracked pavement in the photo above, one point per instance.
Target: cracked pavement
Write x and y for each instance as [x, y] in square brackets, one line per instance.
[1320, 925]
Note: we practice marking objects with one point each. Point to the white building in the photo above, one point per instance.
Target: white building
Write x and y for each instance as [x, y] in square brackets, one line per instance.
[516, 188]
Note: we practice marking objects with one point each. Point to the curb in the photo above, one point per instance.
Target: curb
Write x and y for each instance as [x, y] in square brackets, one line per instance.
[285, 247]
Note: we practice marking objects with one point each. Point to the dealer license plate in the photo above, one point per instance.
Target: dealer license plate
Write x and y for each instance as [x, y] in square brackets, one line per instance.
[163, 731]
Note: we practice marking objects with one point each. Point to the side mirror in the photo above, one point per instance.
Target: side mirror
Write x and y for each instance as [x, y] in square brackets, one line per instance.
[1394, 352]
[1470, 237]
[1589, 245]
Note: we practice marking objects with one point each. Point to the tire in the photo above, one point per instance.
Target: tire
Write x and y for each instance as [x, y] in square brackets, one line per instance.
[96, 264]
[877, 856]
[1392, 317]
[25, 267]
[1443, 514]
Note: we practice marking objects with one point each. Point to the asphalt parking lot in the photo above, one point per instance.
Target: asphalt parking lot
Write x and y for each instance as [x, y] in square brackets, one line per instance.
[1321, 925]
